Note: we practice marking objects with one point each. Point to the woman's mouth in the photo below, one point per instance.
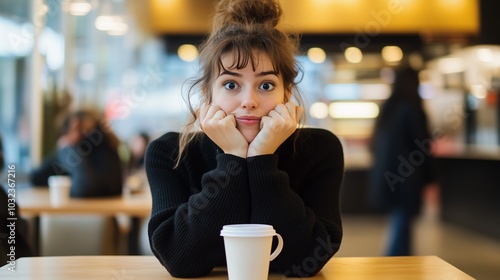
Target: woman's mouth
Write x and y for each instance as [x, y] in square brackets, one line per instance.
[248, 120]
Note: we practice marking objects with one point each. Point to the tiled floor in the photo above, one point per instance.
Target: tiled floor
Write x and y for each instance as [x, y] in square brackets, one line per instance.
[476, 255]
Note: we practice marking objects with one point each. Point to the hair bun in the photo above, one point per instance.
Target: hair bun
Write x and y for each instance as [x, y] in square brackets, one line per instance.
[246, 12]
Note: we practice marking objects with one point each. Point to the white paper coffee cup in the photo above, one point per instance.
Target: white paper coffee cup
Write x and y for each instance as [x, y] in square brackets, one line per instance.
[248, 250]
[59, 189]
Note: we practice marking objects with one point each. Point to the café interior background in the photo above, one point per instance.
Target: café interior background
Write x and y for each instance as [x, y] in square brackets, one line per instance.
[129, 59]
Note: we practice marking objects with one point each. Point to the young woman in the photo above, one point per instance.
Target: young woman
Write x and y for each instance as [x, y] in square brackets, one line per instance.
[242, 159]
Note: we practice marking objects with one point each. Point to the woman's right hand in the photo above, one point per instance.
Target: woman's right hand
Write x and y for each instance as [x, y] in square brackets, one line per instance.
[221, 128]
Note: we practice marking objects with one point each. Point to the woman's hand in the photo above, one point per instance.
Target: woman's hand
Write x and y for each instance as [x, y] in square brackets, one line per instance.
[276, 127]
[221, 128]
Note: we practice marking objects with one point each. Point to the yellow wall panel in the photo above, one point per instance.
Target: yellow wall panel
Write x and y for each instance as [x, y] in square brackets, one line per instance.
[333, 16]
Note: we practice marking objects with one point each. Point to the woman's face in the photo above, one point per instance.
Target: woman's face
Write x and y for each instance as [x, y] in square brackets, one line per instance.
[248, 94]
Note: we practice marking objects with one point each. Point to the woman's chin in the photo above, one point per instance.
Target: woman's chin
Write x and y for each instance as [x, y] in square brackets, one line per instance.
[249, 135]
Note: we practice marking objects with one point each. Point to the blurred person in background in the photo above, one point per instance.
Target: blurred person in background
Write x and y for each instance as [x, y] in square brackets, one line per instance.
[138, 145]
[87, 151]
[402, 160]
[136, 179]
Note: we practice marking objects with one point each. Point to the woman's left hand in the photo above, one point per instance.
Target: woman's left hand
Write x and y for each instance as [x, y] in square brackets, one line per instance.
[276, 127]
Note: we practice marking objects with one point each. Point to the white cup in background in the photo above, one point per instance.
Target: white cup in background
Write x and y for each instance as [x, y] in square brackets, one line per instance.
[248, 250]
[59, 189]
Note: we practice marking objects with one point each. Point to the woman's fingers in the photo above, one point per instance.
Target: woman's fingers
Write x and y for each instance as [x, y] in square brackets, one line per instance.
[212, 110]
[290, 107]
[208, 112]
[290, 110]
[219, 115]
[221, 129]
[282, 110]
[275, 114]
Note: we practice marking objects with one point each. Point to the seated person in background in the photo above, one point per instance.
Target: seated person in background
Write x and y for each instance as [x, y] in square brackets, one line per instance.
[136, 175]
[87, 152]
[138, 145]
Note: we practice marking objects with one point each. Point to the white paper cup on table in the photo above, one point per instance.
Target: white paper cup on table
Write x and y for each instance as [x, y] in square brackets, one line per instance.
[248, 250]
[59, 189]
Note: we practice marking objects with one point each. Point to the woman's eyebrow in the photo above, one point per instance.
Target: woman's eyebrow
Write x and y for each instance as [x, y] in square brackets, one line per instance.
[227, 72]
[265, 73]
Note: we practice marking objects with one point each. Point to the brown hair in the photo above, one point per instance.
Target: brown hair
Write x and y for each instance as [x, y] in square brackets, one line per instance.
[242, 26]
[91, 121]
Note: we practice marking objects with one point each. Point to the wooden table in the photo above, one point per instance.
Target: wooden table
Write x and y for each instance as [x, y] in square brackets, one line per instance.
[148, 267]
[35, 202]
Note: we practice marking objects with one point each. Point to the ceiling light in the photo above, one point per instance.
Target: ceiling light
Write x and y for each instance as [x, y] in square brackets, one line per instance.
[77, 7]
[353, 55]
[450, 65]
[318, 110]
[392, 54]
[353, 110]
[316, 55]
[484, 54]
[114, 25]
[187, 52]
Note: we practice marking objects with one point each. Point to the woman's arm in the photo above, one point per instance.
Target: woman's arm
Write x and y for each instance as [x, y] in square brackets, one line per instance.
[308, 219]
[184, 230]
[50, 166]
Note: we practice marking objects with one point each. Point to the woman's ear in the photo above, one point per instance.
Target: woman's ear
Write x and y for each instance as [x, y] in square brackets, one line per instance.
[288, 95]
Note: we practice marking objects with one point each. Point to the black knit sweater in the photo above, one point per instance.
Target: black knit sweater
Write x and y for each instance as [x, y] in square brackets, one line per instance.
[296, 190]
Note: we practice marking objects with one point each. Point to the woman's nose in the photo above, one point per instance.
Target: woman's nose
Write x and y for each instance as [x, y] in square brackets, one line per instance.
[249, 100]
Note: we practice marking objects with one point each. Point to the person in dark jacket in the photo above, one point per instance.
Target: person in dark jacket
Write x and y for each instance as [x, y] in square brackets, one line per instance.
[249, 163]
[87, 151]
[402, 160]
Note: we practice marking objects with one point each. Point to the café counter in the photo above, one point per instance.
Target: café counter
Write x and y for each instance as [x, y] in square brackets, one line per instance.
[469, 180]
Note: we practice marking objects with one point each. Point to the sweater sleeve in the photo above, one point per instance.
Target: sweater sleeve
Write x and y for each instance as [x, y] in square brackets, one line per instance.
[187, 216]
[309, 219]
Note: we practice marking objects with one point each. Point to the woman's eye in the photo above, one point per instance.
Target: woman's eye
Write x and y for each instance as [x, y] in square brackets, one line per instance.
[230, 85]
[267, 86]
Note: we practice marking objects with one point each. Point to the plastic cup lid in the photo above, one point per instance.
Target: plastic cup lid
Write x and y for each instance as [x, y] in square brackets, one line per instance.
[247, 230]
